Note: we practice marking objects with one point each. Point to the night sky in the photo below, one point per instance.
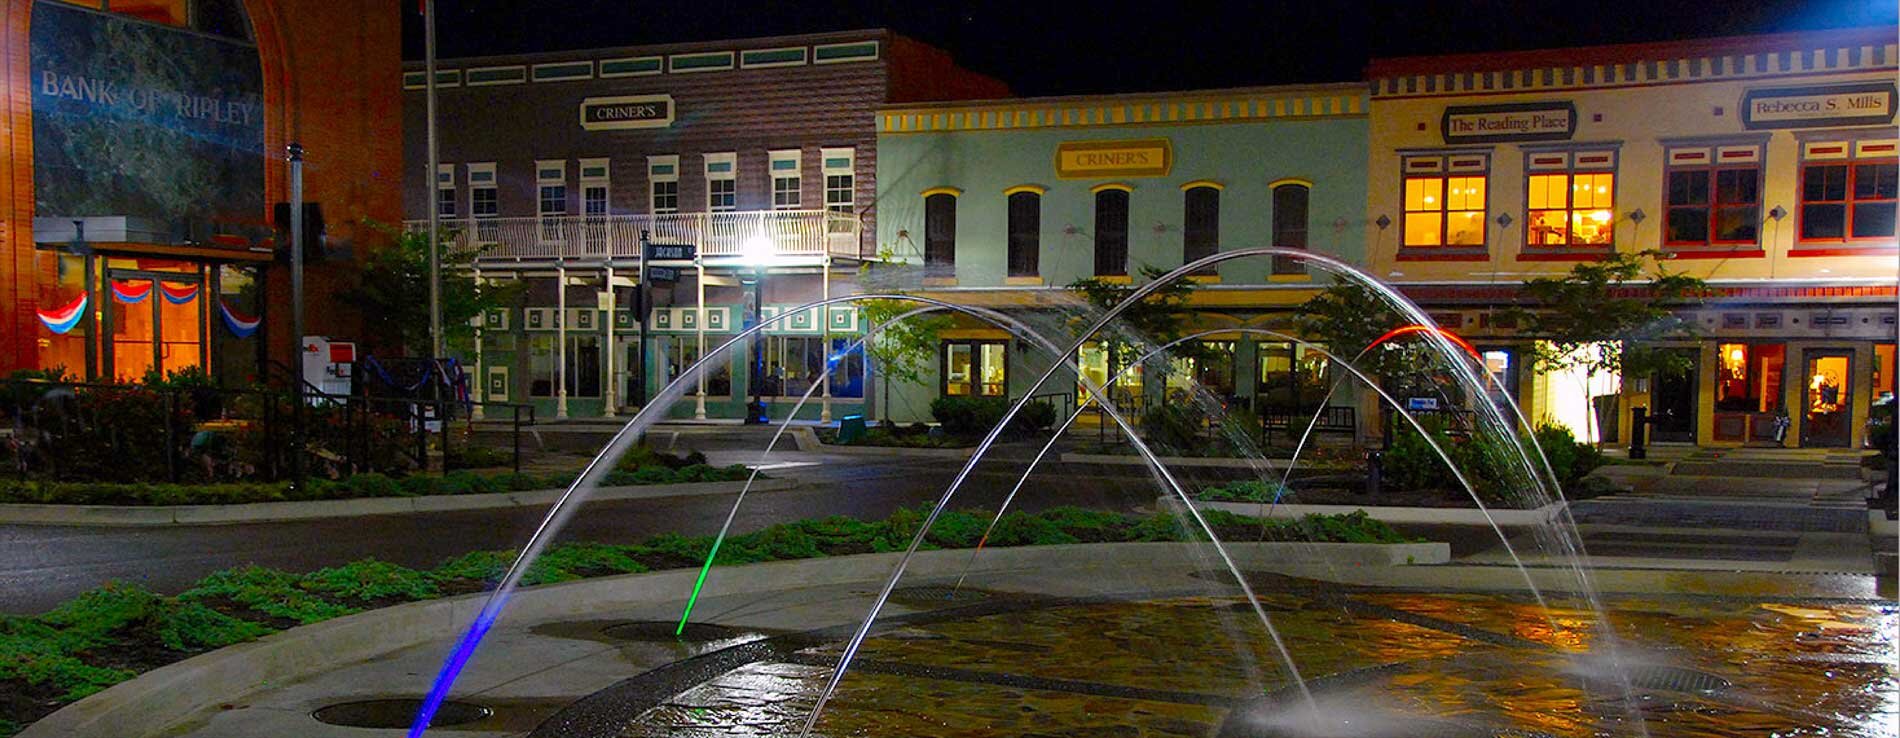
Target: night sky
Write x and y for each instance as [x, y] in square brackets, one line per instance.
[1077, 48]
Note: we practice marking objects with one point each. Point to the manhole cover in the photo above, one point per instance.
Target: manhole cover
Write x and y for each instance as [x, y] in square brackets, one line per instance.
[936, 594]
[397, 713]
[660, 630]
[1675, 679]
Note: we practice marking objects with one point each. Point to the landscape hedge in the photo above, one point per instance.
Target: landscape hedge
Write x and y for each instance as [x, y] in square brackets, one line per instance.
[351, 487]
[115, 632]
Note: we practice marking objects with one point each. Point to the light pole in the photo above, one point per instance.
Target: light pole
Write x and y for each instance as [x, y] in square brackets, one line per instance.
[758, 253]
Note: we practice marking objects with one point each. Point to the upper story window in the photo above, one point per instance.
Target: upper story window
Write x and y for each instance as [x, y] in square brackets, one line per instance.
[1200, 222]
[1571, 196]
[551, 183]
[445, 190]
[722, 183]
[840, 184]
[1445, 201]
[1290, 201]
[1025, 231]
[1713, 196]
[1849, 190]
[222, 18]
[663, 176]
[483, 202]
[785, 181]
[1111, 231]
[940, 229]
[594, 186]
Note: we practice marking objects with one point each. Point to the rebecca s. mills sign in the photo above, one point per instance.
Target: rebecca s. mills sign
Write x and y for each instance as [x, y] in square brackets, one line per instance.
[1833, 105]
[627, 111]
[1540, 121]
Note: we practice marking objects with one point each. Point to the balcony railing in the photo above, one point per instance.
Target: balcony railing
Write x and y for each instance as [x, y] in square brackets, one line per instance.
[792, 233]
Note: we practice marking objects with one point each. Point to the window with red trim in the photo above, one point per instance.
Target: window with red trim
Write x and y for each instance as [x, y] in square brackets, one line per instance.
[1713, 206]
[1849, 200]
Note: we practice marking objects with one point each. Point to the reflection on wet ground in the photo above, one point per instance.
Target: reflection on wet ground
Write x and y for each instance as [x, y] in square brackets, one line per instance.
[1456, 664]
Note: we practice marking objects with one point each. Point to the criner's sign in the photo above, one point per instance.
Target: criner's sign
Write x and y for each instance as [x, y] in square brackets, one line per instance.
[1801, 107]
[630, 111]
[1544, 121]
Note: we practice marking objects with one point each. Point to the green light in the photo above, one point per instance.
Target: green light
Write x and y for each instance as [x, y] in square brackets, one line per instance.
[697, 583]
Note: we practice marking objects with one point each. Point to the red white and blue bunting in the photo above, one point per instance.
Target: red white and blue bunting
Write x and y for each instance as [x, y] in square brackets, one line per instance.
[178, 294]
[62, 319]
[132, 293]
[239, 325]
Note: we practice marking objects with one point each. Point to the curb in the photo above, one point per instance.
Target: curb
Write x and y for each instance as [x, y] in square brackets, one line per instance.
[271, 512]
[1176, 461]
[1411, 515]
[169, 695]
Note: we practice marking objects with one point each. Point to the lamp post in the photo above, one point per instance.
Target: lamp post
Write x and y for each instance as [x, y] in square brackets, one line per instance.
[758, 253]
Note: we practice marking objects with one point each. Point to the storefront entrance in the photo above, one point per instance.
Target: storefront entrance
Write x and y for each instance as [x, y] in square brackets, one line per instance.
[1673, 404]
[154, 320]
[1827, 407]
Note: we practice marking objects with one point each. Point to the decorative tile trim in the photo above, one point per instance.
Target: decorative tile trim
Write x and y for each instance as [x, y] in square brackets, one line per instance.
[563, 71]
[710, 61]
[483, 76]
[790, 56]
[1122, 111]
[1863, 58]
[636, 66]
[855, 51]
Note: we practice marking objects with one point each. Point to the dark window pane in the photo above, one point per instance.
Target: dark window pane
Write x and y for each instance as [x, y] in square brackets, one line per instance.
[940, 230]
[1738, 224]
[1111, 233]
[1824, 182]
[1689, 187]
[1025, 233]
[1688, 225]
[1876, 181]
[1737, 186]
[1200, 231]
[1823, 221]
[1289, 225]
[1873, 220]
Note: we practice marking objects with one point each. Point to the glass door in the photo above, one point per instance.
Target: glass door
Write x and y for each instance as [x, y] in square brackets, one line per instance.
[1827, 409]
[1673, 404]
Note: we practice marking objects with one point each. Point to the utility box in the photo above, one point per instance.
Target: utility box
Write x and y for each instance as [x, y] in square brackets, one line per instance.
[850, 429]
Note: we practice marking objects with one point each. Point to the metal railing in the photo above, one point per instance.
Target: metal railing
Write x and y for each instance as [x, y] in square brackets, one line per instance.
[791, 232]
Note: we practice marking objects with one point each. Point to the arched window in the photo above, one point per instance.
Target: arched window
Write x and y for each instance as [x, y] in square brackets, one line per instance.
[1200, 224]
[1025, 233]
[1111, 232]
[1289, 225]
[940, 230]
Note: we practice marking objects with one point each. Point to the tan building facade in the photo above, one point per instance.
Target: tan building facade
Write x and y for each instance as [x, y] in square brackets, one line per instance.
[1765, 165]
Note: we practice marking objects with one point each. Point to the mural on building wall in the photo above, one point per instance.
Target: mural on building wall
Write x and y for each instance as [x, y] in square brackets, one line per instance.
[161, 125]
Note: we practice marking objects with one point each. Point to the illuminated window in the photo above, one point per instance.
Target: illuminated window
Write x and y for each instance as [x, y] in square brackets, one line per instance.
[1714, 196]
[785, 181]
[975, 369]
[1212, 368]
[1748, 377]
[1293, 377]
[1572, 200]
[793, 363]
[1849, 191]
[1444, 199]
[682, 352]
[1094, 363]
[1025, 233]
[663, 176]
[1883, 369]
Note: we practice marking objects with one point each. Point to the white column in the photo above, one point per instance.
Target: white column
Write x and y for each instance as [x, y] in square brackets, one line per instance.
[699, 405]
[560, 342]
[610, 394]
[480, 380]
[824, 316]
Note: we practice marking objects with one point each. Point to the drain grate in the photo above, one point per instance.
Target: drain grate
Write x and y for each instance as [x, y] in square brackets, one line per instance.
[397, 713]
[664, 631]
[931, 595]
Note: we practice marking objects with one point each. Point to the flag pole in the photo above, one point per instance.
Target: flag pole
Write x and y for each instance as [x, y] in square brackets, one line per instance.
[434, 186]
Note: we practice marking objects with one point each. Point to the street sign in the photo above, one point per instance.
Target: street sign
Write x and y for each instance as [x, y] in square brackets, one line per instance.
[663, 274]
[1421, 403]
[671, 251]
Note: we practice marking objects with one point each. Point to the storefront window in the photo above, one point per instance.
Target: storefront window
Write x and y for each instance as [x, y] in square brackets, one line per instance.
[1883, 369]
[975, 368]
[1094, 365]
[1748, 378]
[1212, 369]
[1827, 399]
[792, 363]
[847, 368]
[541, 365]
[1292, 377]
[682, 351]
[583, 365]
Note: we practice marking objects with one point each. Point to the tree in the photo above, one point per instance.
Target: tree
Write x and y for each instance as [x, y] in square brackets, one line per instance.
[1161, 316]
[1603, 317]
[392, 294]
[900, 351]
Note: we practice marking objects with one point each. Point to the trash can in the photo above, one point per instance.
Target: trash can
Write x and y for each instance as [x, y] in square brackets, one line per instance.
[850, 428]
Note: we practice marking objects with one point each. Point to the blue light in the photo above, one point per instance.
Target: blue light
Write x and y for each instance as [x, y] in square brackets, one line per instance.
[453, 667]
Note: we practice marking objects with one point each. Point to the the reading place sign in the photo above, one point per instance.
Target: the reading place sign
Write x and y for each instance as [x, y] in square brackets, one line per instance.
[1800, 107]
[628, 111]
[1542, 121]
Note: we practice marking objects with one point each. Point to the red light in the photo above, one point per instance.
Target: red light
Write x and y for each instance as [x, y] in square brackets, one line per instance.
[1416, 328]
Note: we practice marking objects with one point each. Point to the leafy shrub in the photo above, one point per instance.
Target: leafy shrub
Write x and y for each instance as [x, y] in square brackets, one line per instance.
[655, 475]
[1035, 417]
[191, 626]
[1251, 490]
[1173, 426]
[270, 592]
[479, 566]
[373, 485]
[1024, 529]
[370, 581]
[573, 561]
[1569, 459]
[968, 416]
